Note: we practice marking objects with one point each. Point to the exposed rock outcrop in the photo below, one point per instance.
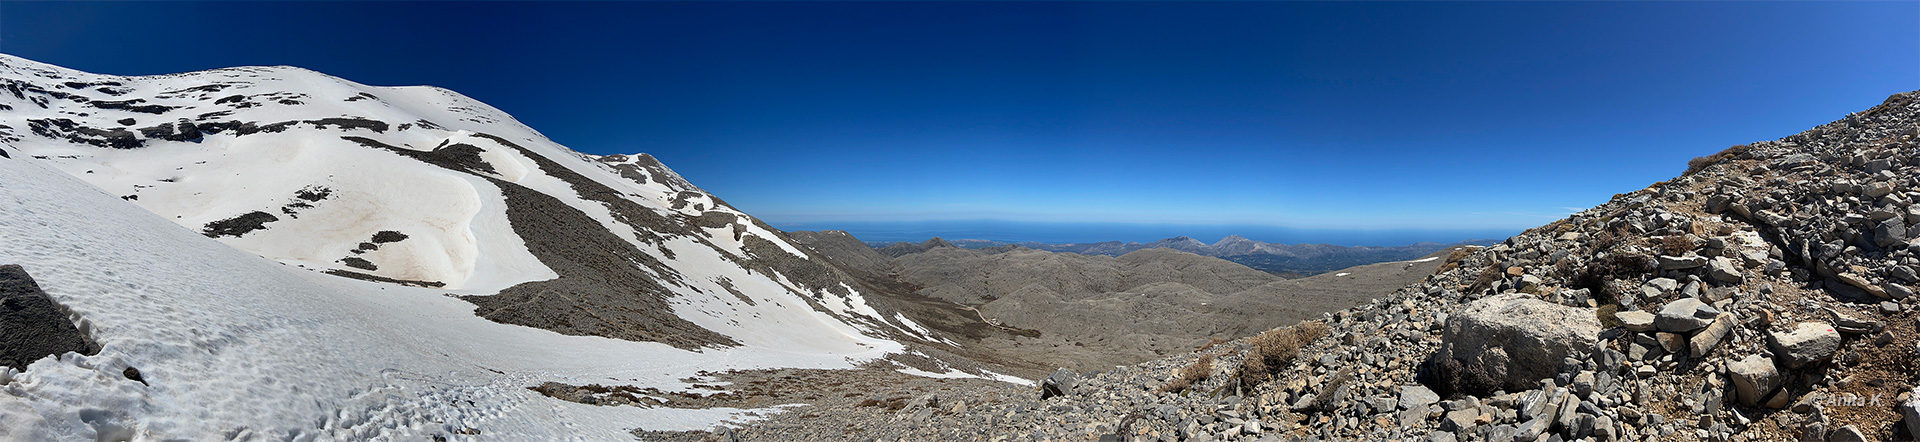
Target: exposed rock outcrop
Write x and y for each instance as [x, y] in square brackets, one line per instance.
[1517, 338]
[32, 326]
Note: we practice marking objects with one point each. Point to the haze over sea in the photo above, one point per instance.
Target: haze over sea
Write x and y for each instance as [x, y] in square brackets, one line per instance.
[1083, 232]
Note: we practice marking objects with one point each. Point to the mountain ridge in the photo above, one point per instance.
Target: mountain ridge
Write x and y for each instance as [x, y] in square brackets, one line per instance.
[1093, 311]
[1287, 260]
[403, 220]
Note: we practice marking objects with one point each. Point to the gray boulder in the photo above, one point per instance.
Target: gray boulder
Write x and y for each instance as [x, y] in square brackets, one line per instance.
[1879, 189]
[1753, 377]
[1662, 286]
[1522, 337]
[1710, 337]
[1847, 434]
[1417, 397]
[1685, 315]
[1060, 383]
[1848, 324]
[1890, 232]
[32, 326]
[1458, 420]
[1809, 343]
[1724, 270]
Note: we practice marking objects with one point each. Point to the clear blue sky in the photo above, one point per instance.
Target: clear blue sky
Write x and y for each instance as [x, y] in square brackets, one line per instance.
[1484, 115]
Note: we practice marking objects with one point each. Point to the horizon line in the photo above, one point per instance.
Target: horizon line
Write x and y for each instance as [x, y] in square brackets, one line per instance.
[1087, 232]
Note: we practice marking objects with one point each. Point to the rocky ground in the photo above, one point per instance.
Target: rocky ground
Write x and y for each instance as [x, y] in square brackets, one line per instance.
[1764, 295]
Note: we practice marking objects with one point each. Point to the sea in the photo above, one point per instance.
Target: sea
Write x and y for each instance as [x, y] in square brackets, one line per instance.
[1085, 232]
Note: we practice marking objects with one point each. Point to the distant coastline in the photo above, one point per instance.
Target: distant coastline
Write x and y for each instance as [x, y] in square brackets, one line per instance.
[1069, 233]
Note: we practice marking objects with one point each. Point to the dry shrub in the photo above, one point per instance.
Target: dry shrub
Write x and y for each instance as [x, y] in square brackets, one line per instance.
[1677, 245]
[1450, 377]
[1605, 240]
[1454, 258]
[1599, 274]
[1254, 370]
[891, 404]
[1273, 349]
[1537, 289]
[1489, 275]
[1698, 163]
[1607, 315]
[1196, 372]
[1566, 268]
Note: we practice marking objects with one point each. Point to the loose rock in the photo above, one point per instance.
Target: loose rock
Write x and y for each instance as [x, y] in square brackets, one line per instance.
[1809, 343]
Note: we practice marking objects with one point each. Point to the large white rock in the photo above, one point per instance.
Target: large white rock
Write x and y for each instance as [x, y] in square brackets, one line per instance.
[1523, 337]
[1681, 262]
[1636, 321]
[1911, 410]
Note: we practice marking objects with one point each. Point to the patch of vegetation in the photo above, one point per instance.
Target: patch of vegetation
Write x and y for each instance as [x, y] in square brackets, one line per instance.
[1191, 374]
[1605, 240]
[1598, 276]
[1451, 377]
[1454, 258]
[1273, 349]
[1606, 316]
[891, 404]
[1566, 269]
[1488, 276]
[1698, 163]
[1677, 245]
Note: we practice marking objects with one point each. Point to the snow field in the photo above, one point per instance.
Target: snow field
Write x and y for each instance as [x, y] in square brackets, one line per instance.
[238, 342]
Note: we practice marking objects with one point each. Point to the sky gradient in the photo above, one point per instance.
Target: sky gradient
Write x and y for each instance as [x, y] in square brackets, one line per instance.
[1482, 116]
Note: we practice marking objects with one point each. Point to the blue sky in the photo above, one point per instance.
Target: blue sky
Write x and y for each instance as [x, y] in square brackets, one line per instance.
[1373, 115]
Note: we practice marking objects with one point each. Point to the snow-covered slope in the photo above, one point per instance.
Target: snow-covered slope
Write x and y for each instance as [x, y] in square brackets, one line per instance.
[416, 212]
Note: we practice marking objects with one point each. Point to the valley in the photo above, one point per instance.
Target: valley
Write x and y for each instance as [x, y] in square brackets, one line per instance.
[275, 253]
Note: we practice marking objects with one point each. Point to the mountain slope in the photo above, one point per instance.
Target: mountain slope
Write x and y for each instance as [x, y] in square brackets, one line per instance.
[424, 186]
[415, 212]
[1766, 294]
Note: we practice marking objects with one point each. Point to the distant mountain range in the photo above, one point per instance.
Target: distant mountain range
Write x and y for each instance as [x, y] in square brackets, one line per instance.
[1288, 260]
[1092, 311]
